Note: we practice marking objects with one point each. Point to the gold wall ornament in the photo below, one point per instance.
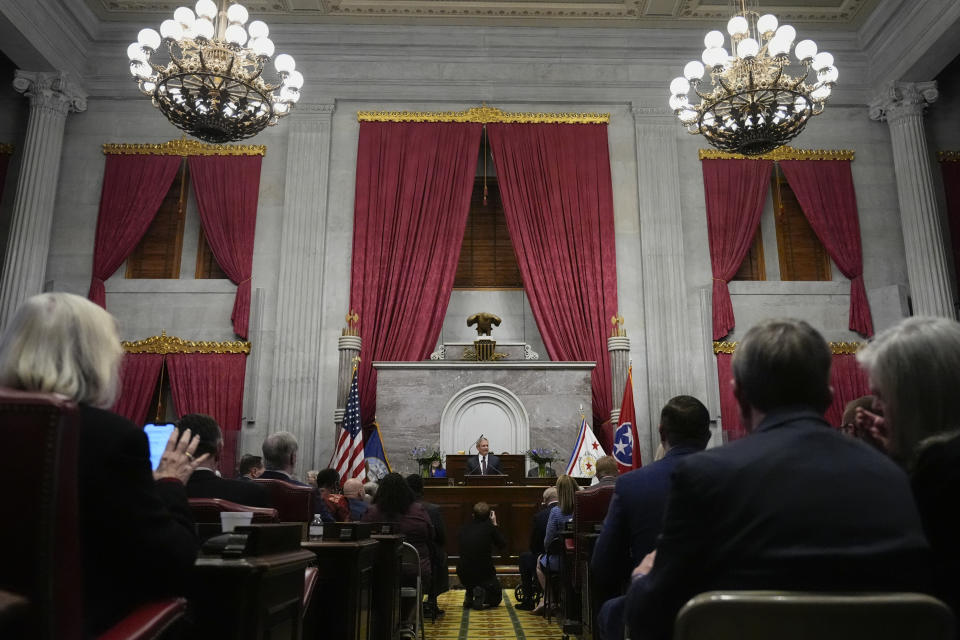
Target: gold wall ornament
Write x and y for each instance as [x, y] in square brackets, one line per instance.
[6, 149]
[782, 153]
[165, 344]
[184, 147]
[470, 353]
[353, 324]
[484, 321]
[483, 115]
[836, 348]
[948, 156]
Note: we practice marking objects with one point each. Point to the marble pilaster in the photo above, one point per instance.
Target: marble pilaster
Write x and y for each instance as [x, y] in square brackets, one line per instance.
[902, 105]
[52, 96]
[296, 369]
[664, 291]
[619, 349]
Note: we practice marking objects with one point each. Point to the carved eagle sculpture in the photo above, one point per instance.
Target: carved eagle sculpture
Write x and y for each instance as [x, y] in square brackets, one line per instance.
[483, 321]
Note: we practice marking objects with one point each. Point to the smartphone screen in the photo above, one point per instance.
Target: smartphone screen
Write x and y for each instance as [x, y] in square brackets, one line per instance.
[157, 436]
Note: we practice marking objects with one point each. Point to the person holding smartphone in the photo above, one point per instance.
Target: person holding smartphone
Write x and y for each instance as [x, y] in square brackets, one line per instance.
[136, 532]
[475, 567]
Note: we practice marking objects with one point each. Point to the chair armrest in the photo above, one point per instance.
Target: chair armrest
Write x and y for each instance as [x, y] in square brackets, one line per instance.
[310, 577]
[148, 621]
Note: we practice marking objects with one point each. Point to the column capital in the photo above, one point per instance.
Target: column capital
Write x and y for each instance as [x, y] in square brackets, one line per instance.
[53, 90]
[900, 100]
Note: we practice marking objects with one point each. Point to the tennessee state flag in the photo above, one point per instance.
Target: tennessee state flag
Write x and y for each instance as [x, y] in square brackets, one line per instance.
[625, 440]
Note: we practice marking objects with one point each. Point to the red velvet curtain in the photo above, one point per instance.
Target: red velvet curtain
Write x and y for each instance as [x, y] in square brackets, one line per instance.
[133, 189]
[138, 381]
[735, 191]
[951, 185]
[729, 409]
[414, 182]
[825, 191]
[558, 201]
[227, 188]
[211, 383]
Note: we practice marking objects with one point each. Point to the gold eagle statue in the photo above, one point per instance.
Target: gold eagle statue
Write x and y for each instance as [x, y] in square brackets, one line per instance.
[483, 321]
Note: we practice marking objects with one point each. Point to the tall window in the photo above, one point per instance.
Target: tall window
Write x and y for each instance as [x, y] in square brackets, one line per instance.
[487, 260]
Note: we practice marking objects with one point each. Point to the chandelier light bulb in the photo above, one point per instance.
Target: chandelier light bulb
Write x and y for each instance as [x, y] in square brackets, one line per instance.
[237, 14]
[713, 57]
[295, 80]
[149, 86]
[693, 71]
[805, 50]
[206, 9]
[184, 15]
[262, 47]
[820, 93]
[149, 39]
[289, 94]
[171, 29]
[828, 74]
[687, 116]
[822, 60]
[678, 102]
[738, 25]
[281, 108]
[786, 33]
[748, 48]
[284, 63]
[258, 29]
[767, 24]
[679, 86]
[236, 34]
[777, 47]
[136, 53]
[713, 40]
[204, 28]
[140, 70]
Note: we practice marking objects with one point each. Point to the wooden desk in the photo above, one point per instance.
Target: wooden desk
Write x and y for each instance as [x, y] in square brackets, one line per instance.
[341, 605]
[386, 587]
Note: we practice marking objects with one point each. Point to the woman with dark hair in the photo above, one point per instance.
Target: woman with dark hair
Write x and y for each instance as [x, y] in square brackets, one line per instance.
[437, 470]
[396, 503]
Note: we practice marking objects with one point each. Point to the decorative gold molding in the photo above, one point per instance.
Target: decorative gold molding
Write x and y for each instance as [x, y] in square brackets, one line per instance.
[6, 149]
[948, 156]
[483, 115]
[184, 147]
[782, 153]
[836, 348]
[165, 344]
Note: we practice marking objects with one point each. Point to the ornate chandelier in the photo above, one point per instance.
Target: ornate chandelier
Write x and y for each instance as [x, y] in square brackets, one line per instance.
[759, 99]
[212, 86]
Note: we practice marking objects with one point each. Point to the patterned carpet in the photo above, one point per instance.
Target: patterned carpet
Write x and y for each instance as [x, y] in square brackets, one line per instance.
[500, 622]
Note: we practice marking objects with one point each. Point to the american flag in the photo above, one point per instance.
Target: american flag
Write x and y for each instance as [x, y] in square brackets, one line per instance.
[348, 458]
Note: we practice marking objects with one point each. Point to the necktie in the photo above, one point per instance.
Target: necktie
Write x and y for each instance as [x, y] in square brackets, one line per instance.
[483, 466]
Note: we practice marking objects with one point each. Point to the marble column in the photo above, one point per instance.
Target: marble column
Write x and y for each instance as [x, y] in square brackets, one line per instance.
[664, 288]
[52, 96]
[349, 347]
[619, 349]
[902, 105]
[295, 380]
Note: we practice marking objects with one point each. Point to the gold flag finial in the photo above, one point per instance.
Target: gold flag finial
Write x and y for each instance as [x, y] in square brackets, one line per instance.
[618, 330]
[353, 324]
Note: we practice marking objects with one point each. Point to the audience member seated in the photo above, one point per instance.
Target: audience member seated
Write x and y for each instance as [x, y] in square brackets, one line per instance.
[438, 558]
[250, 467]
[475, 566]
[607, 470]
[335, 507]
[204, 482]
[854, 423]
[527, 562]
[914, 369]
[353, 492]
[311, 477]
[795, 505]
[560, 514]
[280, 458]
[136, 531]
[639, 500]
[437, 470]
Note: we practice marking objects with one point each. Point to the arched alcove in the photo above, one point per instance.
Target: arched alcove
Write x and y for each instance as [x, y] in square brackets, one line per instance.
[487, 409]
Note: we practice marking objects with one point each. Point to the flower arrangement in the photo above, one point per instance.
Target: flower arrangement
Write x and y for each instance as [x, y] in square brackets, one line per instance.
[425, 457]
[543, 457]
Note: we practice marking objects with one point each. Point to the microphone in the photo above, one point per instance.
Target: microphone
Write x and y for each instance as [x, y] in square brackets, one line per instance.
[472, 445]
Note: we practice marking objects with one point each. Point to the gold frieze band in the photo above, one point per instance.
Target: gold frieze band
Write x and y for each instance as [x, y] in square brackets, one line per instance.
[836, 348]
[6, 149]
[184, 147]
[483, 115]
[165, 344]
[782, 153]
[948, 156]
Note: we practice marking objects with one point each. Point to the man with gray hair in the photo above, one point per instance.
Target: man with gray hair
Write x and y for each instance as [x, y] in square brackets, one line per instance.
[280, 457]
[795, 505]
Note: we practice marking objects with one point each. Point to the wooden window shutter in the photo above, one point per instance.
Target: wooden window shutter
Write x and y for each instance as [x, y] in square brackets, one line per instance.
[802, 256]
[158, 254]
[487, 260]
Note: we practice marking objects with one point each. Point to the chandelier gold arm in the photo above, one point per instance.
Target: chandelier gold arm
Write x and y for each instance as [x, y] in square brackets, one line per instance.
[164, 344]
[483, 115]
[948, 156]
[782, 153]
[836, 348]
[184, 147]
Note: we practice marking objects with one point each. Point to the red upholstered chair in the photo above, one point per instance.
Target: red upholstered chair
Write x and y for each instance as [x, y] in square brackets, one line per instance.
[40, 551]
[292, 502]
[589, 510]
[206, 513]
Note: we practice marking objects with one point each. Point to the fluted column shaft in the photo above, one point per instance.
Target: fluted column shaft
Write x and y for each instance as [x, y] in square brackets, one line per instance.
[52, 96]
[295, 382]
[349, 347]
[902, 105]
[619, 349]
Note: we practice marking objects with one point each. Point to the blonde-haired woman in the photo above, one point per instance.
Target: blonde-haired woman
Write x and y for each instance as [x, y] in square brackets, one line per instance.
[560, 514]
[136, 531]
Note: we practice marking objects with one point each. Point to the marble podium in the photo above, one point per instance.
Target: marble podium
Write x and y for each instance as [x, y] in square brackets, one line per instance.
[448, 404]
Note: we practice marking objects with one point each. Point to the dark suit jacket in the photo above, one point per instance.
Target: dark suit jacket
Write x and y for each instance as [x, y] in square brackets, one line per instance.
[796, 505]
[137, 535]
[539, 531]
[206, 484]
[493, 465]
[438, 552]
[279, 475]
[634, 518]
[477, 540]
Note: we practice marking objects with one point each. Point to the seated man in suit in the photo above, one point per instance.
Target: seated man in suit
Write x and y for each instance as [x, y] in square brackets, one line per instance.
[795, 505]
[475, 567]
[204, 481]
[636, 510]
[527, 562]
[250, 467]
[607, 471]
[484, 463]
[353, 492]
[280, 457]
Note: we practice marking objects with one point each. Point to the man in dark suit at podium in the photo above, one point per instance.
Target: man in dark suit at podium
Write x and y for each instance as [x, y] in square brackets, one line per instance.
[484, 463]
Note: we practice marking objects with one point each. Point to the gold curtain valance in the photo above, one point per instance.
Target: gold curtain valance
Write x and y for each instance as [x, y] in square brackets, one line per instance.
[184, 147]
[836, 348]
[165, 344]
[782, 153]
[483, 115]
[6, 149]
[948, 156]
